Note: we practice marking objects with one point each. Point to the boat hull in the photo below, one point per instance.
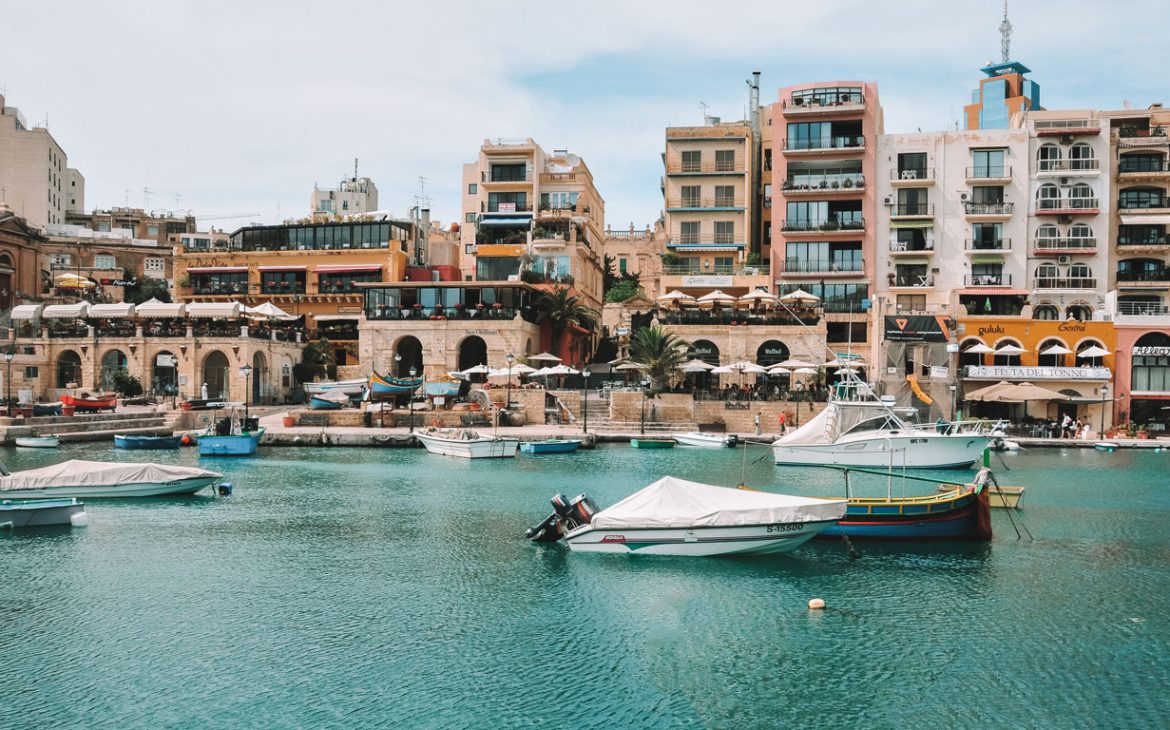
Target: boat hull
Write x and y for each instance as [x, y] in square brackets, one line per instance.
[320, 404]
[46, 409]
[349, 387]
[651, 444]
[38, 442]
[102, 491]
[382, 386]
[243, 444]
[963, 516]
[697, 541]
[705, 440]
[40, 513]
[905, 450]
[90, 404]
[484, 448]
[143, 443]
[552, 446]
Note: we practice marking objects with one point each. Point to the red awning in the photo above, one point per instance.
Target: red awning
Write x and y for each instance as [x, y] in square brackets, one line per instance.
[280, 268]
[218, 270]
[346, 268]
[997, 290]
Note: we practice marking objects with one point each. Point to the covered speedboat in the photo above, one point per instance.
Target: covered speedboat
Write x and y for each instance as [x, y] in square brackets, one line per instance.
[81, 479]
[707, 440]
[677, 517]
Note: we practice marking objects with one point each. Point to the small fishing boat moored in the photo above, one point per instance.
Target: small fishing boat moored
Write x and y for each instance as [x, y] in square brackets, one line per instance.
[707, 440]
[381, 386]
[651, 443]
[88, 402]
[42, 513]
[352, 387]
[46, 409]
[229, 436]
[550, 446]
[38, 442]
[468, 444]
[147, 442]
[676, 517]
[330, 400]
[91, 479]
[1107, 446]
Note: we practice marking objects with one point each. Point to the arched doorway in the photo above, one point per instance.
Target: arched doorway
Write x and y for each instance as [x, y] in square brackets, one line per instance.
[472, 352]
[1080, 312]
[771, 352]
[705, 350]
[261, 387]
[164, 379]
[409, 349]
[112, 362]
[1055, 360]
[68, 369]
[216, 375]
[967, 358]
[1094, 361]
[1011, 356]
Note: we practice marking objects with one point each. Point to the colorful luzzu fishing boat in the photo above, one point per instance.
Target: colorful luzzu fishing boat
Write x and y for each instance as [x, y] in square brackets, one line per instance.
[381, 387]
[961, 512]
[447, 388]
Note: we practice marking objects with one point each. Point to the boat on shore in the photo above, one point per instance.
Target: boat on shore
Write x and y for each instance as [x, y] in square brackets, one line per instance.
[46, 409]
[146, 442]
[330, 400]
[1107, 446]
[550, 446]
[88, 402]
[42, 513]
[37, 442]
[651, 443]
[707, 440]
[82, 479]
[677, 517]
[353, 387]
[468, 444]
[204, 404]
[381, 387]
[447, 388]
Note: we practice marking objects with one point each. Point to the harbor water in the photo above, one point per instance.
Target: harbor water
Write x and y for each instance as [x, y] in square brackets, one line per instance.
[392, 588]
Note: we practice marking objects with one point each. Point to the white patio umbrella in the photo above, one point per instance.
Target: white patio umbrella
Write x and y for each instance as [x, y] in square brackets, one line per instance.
[476, 370]
[1056, 350]
[629, 366]
[716, 296]
[523, 369]
[675, 296]
[696, 363]
[840, 363]
[539, 373]
[543, 357]
[754, 369]
[805, 371]
[779, 370]
[1093, 351]
[561, 370]
[721, 370]
[758, 295]
[791, 363]
[694, 369]
[1009, 350]
[271, 311]
[800, 295]
[978, 349]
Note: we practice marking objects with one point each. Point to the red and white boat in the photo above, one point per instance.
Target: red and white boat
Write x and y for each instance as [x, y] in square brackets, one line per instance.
[91, 402]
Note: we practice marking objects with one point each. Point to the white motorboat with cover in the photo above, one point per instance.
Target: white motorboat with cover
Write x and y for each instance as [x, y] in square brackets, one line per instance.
[81, 479]
[468, 444]
[858, 429]
[676, 517]
[707, 440]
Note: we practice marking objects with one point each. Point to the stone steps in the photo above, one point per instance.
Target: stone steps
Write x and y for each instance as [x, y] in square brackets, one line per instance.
[76, 436]
[636, 426]
[118, 426]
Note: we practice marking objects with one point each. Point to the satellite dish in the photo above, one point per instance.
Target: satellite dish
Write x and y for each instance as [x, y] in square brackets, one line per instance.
[571, 160]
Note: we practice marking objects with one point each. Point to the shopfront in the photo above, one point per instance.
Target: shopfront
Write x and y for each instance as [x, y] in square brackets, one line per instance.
[1143, 378]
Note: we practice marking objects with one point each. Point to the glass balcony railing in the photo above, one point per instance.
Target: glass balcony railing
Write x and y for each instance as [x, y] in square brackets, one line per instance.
[824, 143]
[989, 172]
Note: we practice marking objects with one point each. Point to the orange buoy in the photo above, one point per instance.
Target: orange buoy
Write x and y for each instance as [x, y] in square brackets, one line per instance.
[816, 603]
[186, 440]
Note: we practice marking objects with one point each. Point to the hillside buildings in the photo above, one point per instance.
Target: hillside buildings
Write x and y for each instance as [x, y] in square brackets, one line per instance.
[36, 181]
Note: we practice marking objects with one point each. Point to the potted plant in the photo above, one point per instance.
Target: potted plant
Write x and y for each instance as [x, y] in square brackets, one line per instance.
[848, 182]
[1142, 433]
[288, 420]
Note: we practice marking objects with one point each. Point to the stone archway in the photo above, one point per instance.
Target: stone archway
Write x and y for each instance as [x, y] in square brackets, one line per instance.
[216, 374]
[705, 350]
[472, 352]
[261, 378]
[68, 369]
[164, 380]
[408, 354]
[771, 352]
[112, 361]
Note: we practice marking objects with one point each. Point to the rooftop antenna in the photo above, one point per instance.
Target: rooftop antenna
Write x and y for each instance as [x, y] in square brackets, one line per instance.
[421, 200]
[355, 161]
[1005, 35]
[704, 106]
[146, 198]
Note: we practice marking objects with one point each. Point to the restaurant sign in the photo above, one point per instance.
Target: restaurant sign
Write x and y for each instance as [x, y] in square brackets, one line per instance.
[917, 328]
[1151, 351]
[1029, 372]
[707, 281]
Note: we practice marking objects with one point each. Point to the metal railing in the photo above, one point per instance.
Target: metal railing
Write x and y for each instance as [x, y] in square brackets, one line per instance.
[1145, 167]
[515, 208]
[906, 210]
[488, 176]
[816, 266]
[1159, 275]
[987, 279]
[829, 181]
[830, 98]
[1146, 241]
[709, 239]
[903, 247]
[989, 172]
[981, 244]
[832, 143]
[1143, 204]
[829, 226]
[719, 201]
[989, 208]
[1067, 203]
[736, 270]
[917, 279]
[1065, 243]
[1066, 124]
[1073, 165]
[1065, 282]
[912, 173]
[1142, 309]
[674, 167]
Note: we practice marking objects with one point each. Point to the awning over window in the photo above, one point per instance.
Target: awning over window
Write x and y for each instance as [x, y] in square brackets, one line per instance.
[337, 317]
[280, 268]
[66, 311]
[911, 224]
[27, 311]
[346, 268]
[215, 310]
[156, 309]
[112, 310]
[1145, 220]
[504, 222]
[218, 270]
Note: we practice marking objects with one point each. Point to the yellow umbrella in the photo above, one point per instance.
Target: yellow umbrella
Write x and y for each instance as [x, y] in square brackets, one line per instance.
[74, 281]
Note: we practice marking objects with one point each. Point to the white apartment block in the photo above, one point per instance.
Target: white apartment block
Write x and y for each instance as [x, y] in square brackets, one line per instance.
[352, 196]
[35, 178]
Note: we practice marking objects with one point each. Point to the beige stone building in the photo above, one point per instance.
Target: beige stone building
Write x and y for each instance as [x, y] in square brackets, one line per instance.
[104, 258]
[19, 259]
[352, 196]
[163, 227]
[36, 181]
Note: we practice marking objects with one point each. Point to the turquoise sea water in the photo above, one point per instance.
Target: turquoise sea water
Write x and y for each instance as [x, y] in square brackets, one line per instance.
[391, 588]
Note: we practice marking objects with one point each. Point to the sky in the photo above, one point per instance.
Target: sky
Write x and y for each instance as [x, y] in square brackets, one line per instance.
[239, 108]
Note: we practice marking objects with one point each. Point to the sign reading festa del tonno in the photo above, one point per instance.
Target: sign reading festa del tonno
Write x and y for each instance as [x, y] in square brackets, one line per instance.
[1025, 372]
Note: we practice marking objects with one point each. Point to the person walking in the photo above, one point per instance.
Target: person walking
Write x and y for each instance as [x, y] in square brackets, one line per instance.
[758, 431]
[783, 417]
[1065, 423]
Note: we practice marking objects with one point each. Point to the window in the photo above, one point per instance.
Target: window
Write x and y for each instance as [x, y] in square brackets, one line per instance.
[1141, 163]
[622, 265]
[325, 205]
[345, 205]
[496, 268]
[987, 236]
[912, 201]
[472, 188]
[1081, 232]
[1049, 156]
[724, 264]
[560, 200]
[724, 231]
[691, 196]
[916, 275]
[911, 239]
[154, 265]
[507, 202]
[1048, 197]
[988, 163]
[1006, 359]
[103, 227]
[987, 194]
[1081, 196]
[724, 160]
[509, 173]
[724, 196]
[689, 232]
[1080, 157]
[104, 261]
[469, 248]
[1139, 235]
[692, 161]
[60, 260]
[1151, 373]
[1046, 312]
[469, 218]
[31, 372]
[1141, 198]
[911, 303]
[152, 230]
[987, 274]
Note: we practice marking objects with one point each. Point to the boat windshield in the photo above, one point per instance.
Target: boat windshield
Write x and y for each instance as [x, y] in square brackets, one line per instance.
[883, 422]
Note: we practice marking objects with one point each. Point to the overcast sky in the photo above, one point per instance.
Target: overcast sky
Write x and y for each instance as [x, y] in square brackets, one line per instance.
[239, 107]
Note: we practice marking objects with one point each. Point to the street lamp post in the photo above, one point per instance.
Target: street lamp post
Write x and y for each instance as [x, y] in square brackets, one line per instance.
[246, 371]
[642, 427]
[954, 406]
[174, 380]
[585, 403]
[410, 403]
[8, 355]
[511, 359]
[1104, 393]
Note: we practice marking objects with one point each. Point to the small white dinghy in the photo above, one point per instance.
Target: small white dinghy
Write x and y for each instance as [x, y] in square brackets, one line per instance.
[38, 442]
[468, 444]
[676, 517]
[707, 440]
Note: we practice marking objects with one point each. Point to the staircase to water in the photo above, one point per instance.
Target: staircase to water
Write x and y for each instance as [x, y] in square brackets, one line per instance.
[89, 426]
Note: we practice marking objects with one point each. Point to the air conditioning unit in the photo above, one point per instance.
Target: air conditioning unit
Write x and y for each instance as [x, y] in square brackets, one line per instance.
[1066, 259]
[889, 200]
[963, 196]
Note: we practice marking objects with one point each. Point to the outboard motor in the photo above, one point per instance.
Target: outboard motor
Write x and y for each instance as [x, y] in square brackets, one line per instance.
[567, 516]
[547, 531]
[581, 510]
[732, 441]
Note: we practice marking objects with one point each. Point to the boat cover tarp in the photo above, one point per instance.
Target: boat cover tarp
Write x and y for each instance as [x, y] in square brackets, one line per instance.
[812, 432]
[81, 473]
[673, 502]
[332, 396]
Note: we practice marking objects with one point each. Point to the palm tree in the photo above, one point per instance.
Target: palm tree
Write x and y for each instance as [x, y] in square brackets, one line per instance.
[561, 310]
[658, 352]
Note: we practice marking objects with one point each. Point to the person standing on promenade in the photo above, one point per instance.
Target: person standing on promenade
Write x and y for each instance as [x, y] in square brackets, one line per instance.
[783, 423]
[758, 431]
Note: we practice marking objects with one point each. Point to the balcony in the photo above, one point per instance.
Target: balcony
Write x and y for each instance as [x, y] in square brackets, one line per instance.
[852, 225]
[1000, 279]
[486, 176]
[848, 143]
[1068, 206]
[1143, 309]
[1066, 127]
[1146, 277]
[1070, 168]
[989, 173]
[720, 167]
[912, 176]
[912, 279]
[1145, 170]
[828, 183]
[719, 202]
[832, 102]
[562, 177]
[989, 210]
[708, 241]
[507, 208]
[737, 270]
[724, 277]
[731, 317]
[1064, 283]
[67, 331]
[1131, 138]
[1064, 245]
[817, 267]
[921, 249]
[981, 245]
[287, 288]
[911, 210]
[1145, 206]
[219, 289]
[1151, 244]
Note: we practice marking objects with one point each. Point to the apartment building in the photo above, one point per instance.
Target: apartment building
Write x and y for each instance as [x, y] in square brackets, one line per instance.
[532, 216]
[1005, 91]
[352, 195]
[164, 227]
[36, 181]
